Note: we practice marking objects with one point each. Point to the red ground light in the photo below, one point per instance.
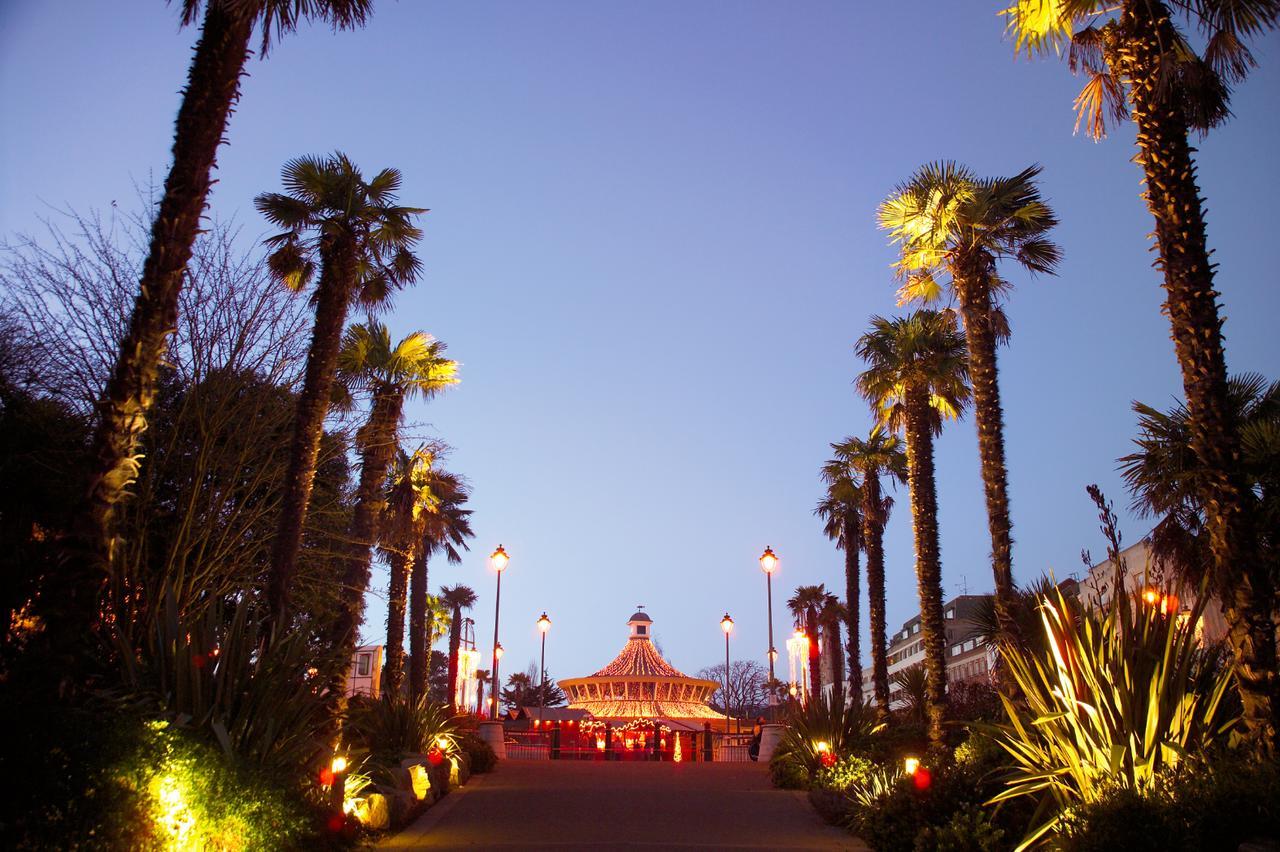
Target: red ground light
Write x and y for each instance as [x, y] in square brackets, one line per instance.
[923, 778]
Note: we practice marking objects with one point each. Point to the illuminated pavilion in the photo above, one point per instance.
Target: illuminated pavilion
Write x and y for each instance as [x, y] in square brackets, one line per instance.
[639, 685]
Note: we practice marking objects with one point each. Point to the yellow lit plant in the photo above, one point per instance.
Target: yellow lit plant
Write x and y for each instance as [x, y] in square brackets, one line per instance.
[1111, 701]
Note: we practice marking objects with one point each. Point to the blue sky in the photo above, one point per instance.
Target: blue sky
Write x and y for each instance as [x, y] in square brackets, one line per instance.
[652, 244]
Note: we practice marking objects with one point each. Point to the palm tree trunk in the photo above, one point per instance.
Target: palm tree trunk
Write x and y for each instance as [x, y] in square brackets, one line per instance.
[418, 646]
[213, 86]
[873, 540]
[455, 642]
[924, 516]
[393, 671]
[377, 441]
[337, 277]
[1241, 578]
[852, 593]
[975, 307]
[832, 631]
[815, 660]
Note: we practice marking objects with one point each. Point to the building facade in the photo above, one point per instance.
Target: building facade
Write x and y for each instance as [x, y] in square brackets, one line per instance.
[365, 677]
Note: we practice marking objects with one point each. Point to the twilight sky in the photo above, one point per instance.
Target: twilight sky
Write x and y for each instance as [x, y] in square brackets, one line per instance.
[652, 244]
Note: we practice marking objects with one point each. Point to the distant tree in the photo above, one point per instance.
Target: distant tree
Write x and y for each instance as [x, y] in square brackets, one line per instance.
[523, 690]
[831, 616]
[445, 530]
[917, 374]
[913, 691]
[841, 511]
[408, 498]
[748, 695]
[363, 242]
[457, 598]
[878, 455]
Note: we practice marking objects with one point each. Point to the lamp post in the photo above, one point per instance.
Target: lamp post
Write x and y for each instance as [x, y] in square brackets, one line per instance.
[726, 624]
[544, 624]
[499, 560]
[769, 562]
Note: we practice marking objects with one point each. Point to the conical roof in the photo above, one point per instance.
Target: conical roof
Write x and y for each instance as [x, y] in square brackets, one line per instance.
[639, 657]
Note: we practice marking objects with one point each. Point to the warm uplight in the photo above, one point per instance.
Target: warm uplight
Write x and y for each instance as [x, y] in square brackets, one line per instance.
[726, 624]
[499, 559]
[544, 623]
[442, 742]
[497, 651]
[1151, 596]
[911, 764]
[768, 560]
[823, 747]
[338, 765]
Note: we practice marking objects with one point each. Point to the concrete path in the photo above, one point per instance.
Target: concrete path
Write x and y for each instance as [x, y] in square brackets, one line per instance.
[572, 805]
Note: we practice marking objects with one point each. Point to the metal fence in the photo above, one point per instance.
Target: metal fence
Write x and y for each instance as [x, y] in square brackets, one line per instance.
[568, 742]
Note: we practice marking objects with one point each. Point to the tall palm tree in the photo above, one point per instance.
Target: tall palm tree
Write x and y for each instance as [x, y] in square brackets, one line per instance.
[952, 228]
[457, 598]
[363, 244]
[444, 530]
[409, 497]
[831, 616]
[805, 605]
[879, 454]
[390, 374]
[213, 87]
[917, 375]
[482, 677]
[841, 512]
[1140, 65]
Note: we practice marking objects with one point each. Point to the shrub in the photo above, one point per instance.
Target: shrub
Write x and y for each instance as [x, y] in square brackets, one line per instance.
[847, 771]
[393, 726]
[969, 830]
[1112, 701]
[844, 726]
[480, 752]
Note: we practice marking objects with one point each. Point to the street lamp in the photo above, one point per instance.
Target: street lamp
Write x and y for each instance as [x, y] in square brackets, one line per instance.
[499, 560]
[544, 624]
[769, 562]
[726, 624]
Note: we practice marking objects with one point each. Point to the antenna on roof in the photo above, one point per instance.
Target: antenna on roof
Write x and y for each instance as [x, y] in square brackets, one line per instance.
[640, 607]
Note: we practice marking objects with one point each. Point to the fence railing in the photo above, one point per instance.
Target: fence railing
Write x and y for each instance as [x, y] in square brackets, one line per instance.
[572, 743]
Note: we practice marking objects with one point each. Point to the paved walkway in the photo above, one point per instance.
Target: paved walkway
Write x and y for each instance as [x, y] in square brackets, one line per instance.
[527, 804]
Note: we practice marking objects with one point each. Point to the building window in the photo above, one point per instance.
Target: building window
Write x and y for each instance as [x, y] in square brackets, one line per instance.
[363, 663]
[951, 613]
[915, 628]
[640, 629]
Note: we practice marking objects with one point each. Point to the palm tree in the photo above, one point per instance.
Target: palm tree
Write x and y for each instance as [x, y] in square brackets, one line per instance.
[805, 605]
[913, 691]
[457, 598]
[409, 497]
[482, 677]
[917, 375]
[1140, 65]
[363, 243]
[444, 530]
[832, 614]
[952, 228]
[841, 511]
[880, 454]
[213, 87]
[390, 374]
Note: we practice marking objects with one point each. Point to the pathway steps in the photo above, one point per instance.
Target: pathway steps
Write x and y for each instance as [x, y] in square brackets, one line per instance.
[607, 806]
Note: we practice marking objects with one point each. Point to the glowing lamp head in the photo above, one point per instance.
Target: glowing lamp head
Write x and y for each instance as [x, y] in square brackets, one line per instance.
[769, 560]
[822, 747]
[338, 765]
[499, 559]
[910, 765]
[497, 651]
[544, 623]
[726, 624]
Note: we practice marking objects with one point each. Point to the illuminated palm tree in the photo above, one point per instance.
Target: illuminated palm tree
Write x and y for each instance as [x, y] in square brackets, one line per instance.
[916, 376]
[213, 87]
[482, 677]
[362, 242]
[444, 530]
[879, 454]
[390, 374]
[409, 498]
[841, 512]
[952, 228]
[805, 605]
[1140, 65]
[457, 598]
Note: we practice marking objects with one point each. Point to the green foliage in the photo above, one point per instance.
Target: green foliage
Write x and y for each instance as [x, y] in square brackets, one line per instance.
[970, 830]
[1112, 702]
[392, 726]
[105, 779]
[211, 675]
[787, 773]
[845, 726]
[847, 771]
[478, 751]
